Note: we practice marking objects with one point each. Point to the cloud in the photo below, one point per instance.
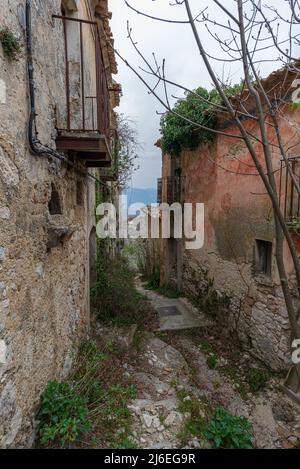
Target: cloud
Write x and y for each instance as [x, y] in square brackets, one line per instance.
[176, 44]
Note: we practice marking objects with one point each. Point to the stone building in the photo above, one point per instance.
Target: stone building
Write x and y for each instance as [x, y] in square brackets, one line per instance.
[56, 135]
[237, 263]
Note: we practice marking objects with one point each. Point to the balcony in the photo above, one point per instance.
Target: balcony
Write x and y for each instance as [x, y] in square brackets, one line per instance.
[83, 121]
[170, 189]
[289, 196]
[112, 174]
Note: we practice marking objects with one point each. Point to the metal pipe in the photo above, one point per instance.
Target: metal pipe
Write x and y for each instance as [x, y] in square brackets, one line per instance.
[77, 20]
[82, 77]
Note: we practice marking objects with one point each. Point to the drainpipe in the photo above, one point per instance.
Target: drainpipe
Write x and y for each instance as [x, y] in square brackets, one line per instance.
[35, 145]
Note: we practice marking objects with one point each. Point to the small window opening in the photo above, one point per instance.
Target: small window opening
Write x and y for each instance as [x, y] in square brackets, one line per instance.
[263, 257]
[54, 203]
[79, 193]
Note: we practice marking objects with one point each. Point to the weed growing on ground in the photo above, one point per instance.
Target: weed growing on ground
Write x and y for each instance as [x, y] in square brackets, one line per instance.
[207, 349]
[235, 375]
[162, 335]
[168, 290]
[92, 407]
[127, 443]
[195, 422]
[229, 431]
[98, 379]
[154, 280]
[63, 416]
[212, 361]
[256, 379]
[114, 298]
[205, 297]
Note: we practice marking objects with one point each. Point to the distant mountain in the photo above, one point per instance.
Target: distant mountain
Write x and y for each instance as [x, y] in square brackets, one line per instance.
[144, 196]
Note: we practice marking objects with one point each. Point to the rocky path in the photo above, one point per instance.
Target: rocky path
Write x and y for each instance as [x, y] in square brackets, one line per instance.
[173, 313]
[171, 379]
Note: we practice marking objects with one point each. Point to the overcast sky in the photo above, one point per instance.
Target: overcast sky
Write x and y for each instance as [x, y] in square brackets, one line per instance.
[175, 43]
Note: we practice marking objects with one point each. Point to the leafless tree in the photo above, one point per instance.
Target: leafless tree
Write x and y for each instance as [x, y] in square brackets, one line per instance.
[249, 35]
[127, 147]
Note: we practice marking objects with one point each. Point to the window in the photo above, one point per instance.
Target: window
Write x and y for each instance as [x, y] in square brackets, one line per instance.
[54, 203]
[263, 257]
[79, 193]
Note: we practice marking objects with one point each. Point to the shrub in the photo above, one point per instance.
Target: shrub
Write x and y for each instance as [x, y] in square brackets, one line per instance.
[63, 415]
[154, 280]
[178, 133]
[229, 431]
[205, 297]
[86, 375]
[257, 379]
[10, 43]
[170, 291]
[114, 297]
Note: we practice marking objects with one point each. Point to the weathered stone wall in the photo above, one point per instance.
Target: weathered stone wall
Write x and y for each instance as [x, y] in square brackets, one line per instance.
[44, 259]
[238, 211]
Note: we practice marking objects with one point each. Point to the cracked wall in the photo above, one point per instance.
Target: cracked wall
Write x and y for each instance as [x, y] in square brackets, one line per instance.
[237, 212]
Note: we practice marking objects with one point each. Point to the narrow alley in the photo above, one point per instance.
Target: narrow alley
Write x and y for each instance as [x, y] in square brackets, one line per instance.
[150, 229]
[184, 370]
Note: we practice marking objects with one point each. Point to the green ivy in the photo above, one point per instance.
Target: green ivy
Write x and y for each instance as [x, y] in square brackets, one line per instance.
[10, 44]
[179, 134]
[229, 431]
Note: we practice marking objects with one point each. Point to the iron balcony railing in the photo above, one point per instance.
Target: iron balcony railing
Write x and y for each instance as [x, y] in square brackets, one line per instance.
[87, 90]
[289, 195]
